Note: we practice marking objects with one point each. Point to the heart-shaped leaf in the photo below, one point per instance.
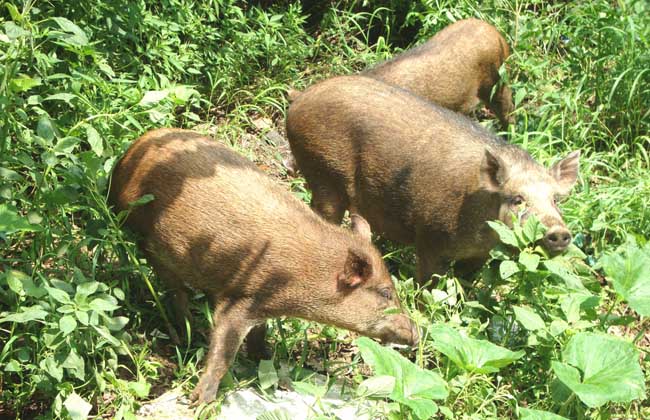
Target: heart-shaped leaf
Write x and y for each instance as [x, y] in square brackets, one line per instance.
[629, 271]
[471, 354]
[600, 368]
[414, 387]
[77, 407]
[529, 318]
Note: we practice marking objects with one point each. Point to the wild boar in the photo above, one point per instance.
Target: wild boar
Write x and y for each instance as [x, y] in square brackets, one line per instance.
[220, 225]
[419, 173]
[454, 69]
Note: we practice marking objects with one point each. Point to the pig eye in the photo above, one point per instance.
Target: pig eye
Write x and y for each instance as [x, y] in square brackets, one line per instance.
[517, 200]
[386, 294]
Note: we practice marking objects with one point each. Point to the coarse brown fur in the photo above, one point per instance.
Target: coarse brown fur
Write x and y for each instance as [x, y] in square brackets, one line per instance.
[456, 68]
[419, 173]
[220, 225]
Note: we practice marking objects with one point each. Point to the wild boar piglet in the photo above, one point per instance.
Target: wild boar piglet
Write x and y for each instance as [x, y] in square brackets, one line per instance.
[220, 225]
[456, 69]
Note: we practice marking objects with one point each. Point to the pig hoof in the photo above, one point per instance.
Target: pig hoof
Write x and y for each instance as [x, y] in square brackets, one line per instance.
[290, 165]
[173, 336]
[205, 392]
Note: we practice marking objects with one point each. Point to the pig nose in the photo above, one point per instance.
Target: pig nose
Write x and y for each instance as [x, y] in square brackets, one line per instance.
[557, 239]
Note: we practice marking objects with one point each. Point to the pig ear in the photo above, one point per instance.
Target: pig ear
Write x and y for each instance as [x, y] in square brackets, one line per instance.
[565, 172]
[493, 172]
[360, 227]
[357, 270]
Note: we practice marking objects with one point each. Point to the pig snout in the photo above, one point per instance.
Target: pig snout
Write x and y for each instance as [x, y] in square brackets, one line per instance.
[557, 239]
[399, 329]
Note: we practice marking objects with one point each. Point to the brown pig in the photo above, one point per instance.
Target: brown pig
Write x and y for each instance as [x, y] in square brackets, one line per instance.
[419, 173]
[454, 69]
[220, 225]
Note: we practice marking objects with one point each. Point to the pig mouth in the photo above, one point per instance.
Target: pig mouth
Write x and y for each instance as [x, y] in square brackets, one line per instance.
[402, 335]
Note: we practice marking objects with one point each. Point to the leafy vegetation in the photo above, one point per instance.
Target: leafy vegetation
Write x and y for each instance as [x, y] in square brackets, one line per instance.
[533, 337]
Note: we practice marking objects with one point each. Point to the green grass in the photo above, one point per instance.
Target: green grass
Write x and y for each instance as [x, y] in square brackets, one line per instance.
[79, 81]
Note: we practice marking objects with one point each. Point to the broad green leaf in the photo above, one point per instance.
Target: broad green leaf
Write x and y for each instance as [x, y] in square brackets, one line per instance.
[10, 174]
[529, 414]
[75, 364]
[105, 304]
[140, 388]
[11, 222]
[32, 313]
[67, 324]
[557, 327]
[508, 268]
[506, 235]
[572, 303]
[78, 408]
[24, 83]
[14, 31]
[183, 93]
[103, 331]
[13, 366]
[533, 230]
[14, 284]
[45, 129]
[82, 317]
[470, 354]
[87, 288]
[50, 366]
[76, 35]
[153, 97]
[266, 373]
[528, 260]
[601, 368]
[529, 318]
[422, 409]
[66, 145]
[629, 271]
[377, 386]
[65, 97]
[95, 140]
[414, 387]
[117, 323]
[58, 295]
[572, 281]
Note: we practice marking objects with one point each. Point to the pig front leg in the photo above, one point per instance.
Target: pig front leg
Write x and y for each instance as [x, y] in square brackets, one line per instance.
[429, 262]
[180, 297]
[232, 321]
[501, 104]
[329, 203]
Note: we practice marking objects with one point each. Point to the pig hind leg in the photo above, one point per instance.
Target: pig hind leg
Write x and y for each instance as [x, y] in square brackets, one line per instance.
[500, 103]
[329, 203]
[232, 321]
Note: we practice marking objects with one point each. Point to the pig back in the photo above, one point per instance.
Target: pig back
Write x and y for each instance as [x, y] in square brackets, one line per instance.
[449, 68]
[402, 162]
[215, 218]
